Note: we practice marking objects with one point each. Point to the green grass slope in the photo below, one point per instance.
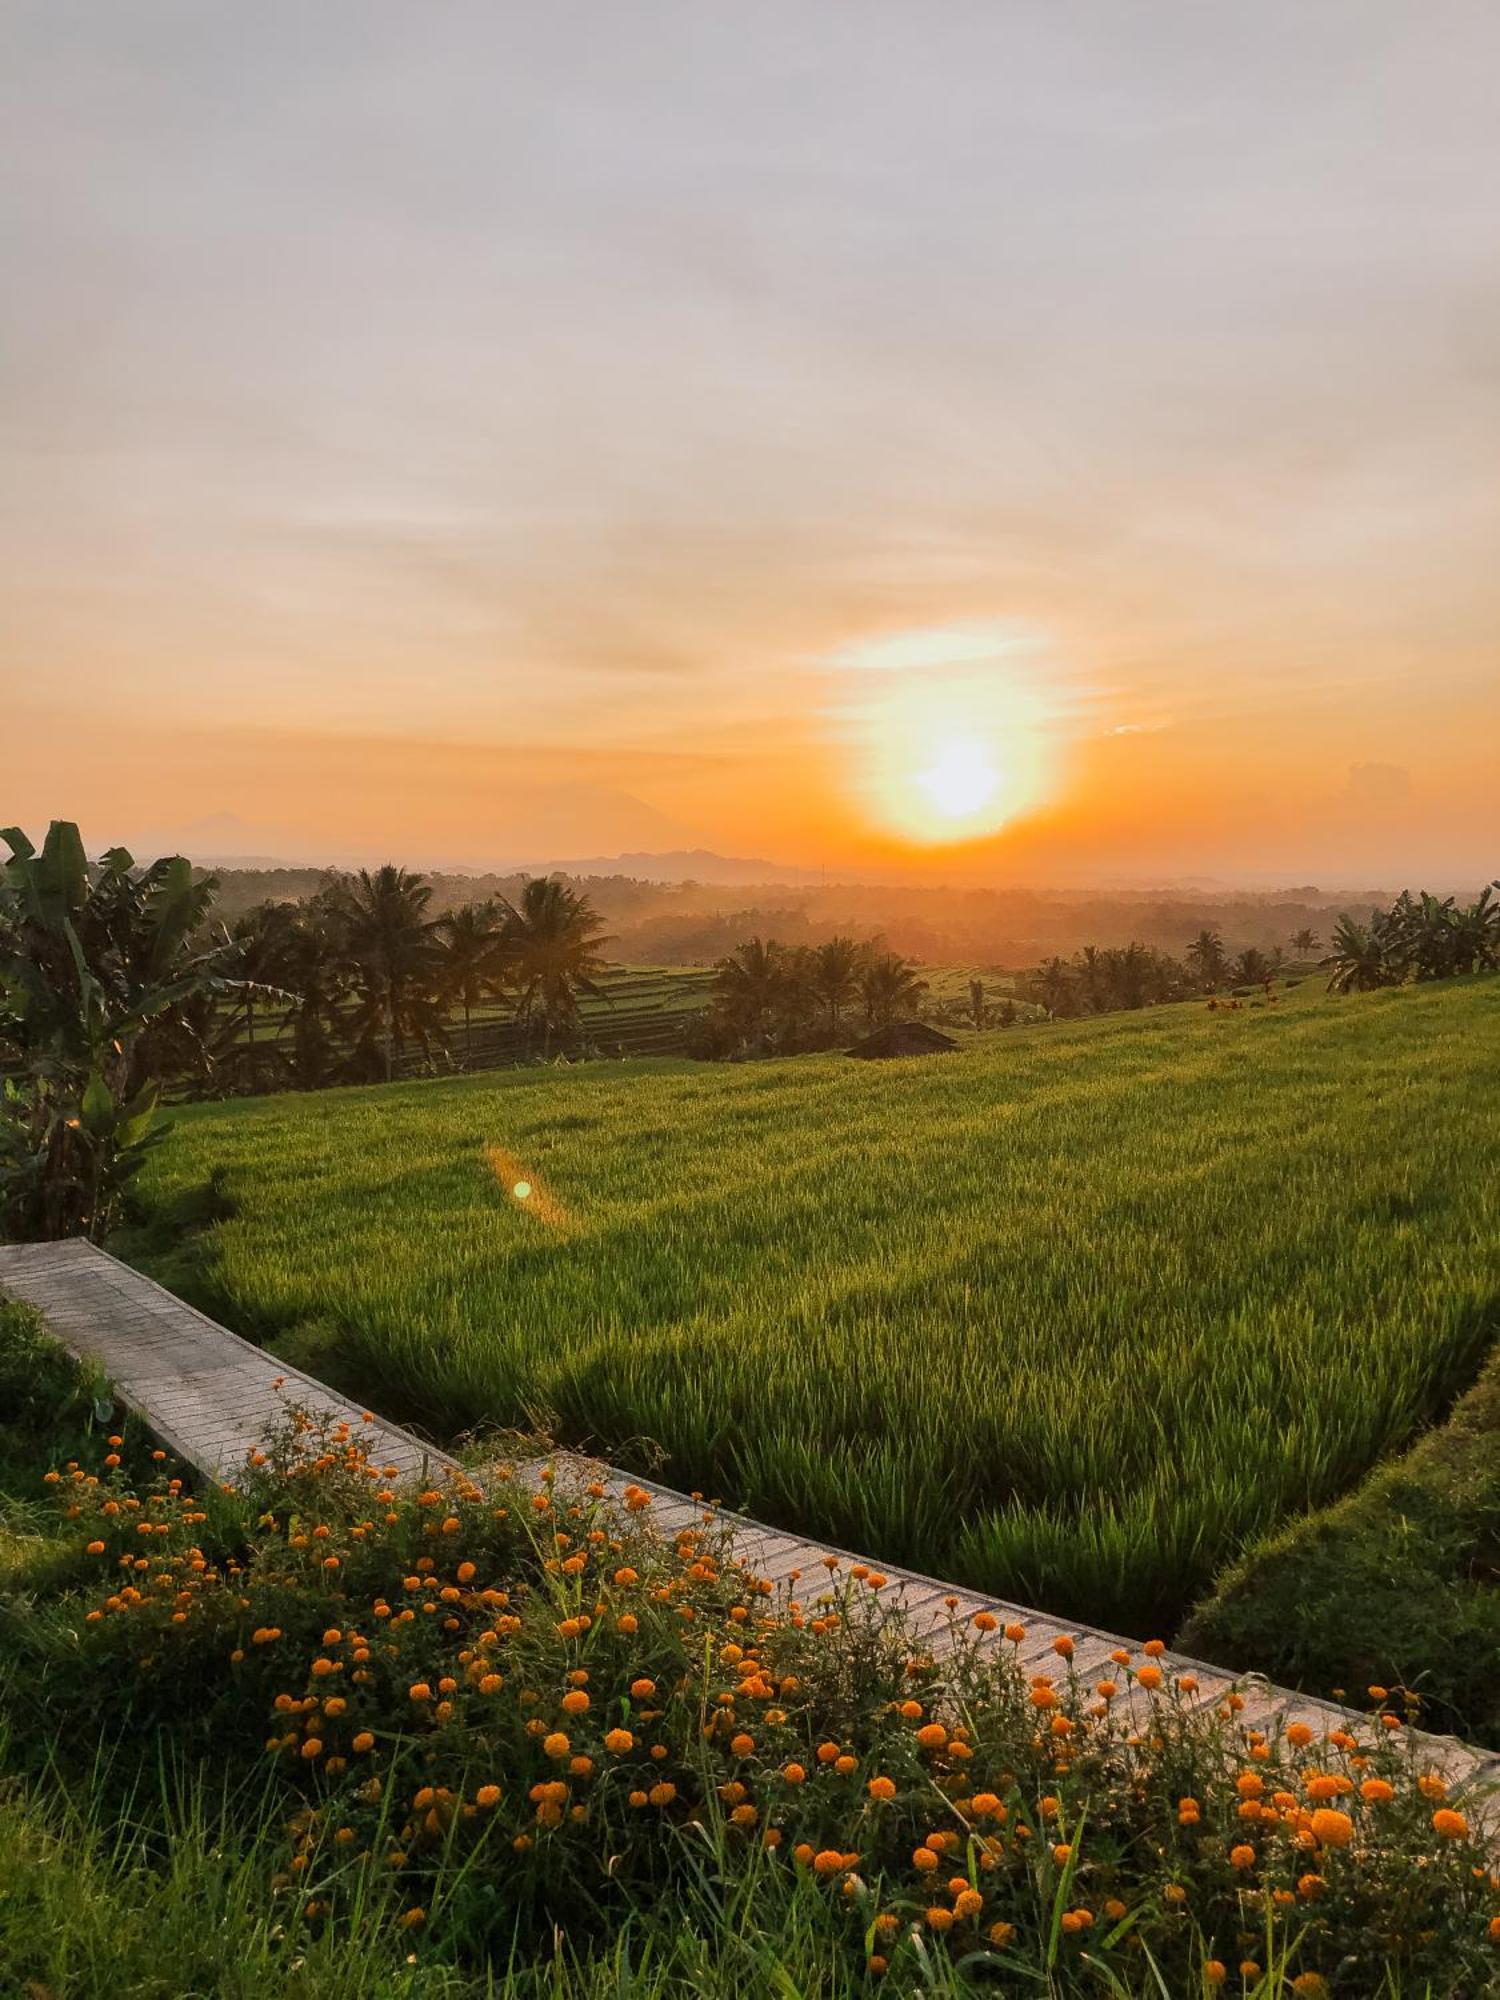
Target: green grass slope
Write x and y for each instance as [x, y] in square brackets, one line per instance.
[1398, 1584]
[1075, 1314]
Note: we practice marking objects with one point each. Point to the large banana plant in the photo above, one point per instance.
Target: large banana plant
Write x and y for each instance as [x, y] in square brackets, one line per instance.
[92, 963]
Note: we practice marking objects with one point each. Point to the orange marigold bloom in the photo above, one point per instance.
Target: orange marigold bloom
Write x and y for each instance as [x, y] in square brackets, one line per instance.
[931, 1736]
[487, 1795]
[939, 1919]
[742, 1745]
[1451, 1825]
[1149, 1677]
[643, 1689]
[923, 1860]
[618, 1741]
[556, 1744]
[1215, 1971]
[1299, 1735]
[94, 1549]
[1332, 1828]
[1376, 1792]
[794, 1774]
[662, 1794]
[1242, 1856]
[985, 1621]
[575, 1701]
[881, 1788]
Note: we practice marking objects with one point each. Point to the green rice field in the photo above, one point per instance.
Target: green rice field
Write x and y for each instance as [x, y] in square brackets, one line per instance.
[1072, 1314]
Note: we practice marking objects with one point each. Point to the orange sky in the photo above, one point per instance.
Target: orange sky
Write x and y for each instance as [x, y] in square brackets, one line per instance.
[506, 434]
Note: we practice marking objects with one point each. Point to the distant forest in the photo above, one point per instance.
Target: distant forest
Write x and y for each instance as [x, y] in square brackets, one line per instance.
[692, 923]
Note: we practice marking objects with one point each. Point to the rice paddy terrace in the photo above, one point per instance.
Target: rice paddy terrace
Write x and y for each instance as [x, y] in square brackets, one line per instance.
[1069, 1316]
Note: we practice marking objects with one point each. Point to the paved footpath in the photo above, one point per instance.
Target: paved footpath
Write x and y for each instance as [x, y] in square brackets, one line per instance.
[211, 1397]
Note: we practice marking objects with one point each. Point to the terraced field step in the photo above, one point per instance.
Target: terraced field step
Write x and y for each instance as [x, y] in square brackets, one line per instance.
[211, 1397]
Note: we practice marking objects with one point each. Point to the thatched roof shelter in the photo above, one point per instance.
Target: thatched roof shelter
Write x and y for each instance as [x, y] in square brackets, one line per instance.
[903, 1038]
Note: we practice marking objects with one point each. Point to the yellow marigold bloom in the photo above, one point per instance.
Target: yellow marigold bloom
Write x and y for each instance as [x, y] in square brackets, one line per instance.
[881, 1788]
[1376, 1792]
[1451, 1825]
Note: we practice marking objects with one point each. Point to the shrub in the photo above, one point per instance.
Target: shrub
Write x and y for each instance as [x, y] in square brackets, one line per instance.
[498, 1713]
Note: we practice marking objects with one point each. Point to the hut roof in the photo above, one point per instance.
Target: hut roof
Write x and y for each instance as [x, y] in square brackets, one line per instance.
[903, 1038]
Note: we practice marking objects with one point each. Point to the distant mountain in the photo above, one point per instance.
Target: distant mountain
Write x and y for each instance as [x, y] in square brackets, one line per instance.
[696, 864]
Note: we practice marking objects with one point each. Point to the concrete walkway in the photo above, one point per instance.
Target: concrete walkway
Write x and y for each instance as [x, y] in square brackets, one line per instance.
[211, 1397]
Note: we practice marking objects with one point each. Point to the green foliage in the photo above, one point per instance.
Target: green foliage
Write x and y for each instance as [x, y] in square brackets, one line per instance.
[1398, 1585]
[1418, 937]
[99, 974]
[516, 1735]
[1075, 1315]
[770, 998]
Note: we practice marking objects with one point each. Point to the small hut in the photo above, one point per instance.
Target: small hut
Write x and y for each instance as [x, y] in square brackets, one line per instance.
[902, 1038]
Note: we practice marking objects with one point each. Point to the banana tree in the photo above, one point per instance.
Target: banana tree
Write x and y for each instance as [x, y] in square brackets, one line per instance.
[94, 963]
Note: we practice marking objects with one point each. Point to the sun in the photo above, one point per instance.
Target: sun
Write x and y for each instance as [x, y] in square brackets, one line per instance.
[962, 779]
[951, 733]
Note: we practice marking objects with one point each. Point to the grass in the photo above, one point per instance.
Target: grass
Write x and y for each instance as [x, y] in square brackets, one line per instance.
[1404, 1575]
[1076, 1314]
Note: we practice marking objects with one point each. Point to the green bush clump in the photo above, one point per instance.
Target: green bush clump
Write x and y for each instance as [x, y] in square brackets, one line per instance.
[498, 1721]
[1398, 1584]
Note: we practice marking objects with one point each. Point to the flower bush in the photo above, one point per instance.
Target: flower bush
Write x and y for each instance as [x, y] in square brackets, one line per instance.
[504, 1706]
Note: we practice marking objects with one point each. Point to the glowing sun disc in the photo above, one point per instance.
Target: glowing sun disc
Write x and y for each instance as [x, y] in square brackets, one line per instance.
[961, 781]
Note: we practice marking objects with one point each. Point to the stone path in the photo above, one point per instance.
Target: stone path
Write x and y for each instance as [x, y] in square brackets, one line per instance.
[211, 1397]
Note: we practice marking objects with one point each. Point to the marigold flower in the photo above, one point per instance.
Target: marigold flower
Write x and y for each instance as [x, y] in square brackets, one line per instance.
[575, 1701]
[924, 1860]
[794, 1774]
[556, 1744]
[1451, 1825]
[487, 1795]
[939, 1919]
[932, 1736]
[1242, 1856]
[881, 1788]
[662, 1794]
[1376, 1792]
[1148, 1677]
[1215, 1972]
[643, 1689]
[94, 1549]
[1299, 1735]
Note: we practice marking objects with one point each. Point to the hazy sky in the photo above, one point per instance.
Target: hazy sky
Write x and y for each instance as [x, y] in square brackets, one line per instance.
[812, 430]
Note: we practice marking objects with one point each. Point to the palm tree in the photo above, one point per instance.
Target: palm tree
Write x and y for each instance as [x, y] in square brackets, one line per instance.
[476, 956]
[1056, 986]
[750, 987]
[833, 976]
[1207, 958]
[1252, 967]
[389, 943]
[891, 986]
[1360, 957]
[552, 937]
[1304, 942]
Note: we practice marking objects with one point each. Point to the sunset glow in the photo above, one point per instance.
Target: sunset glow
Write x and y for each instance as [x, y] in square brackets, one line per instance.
[502, 457]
